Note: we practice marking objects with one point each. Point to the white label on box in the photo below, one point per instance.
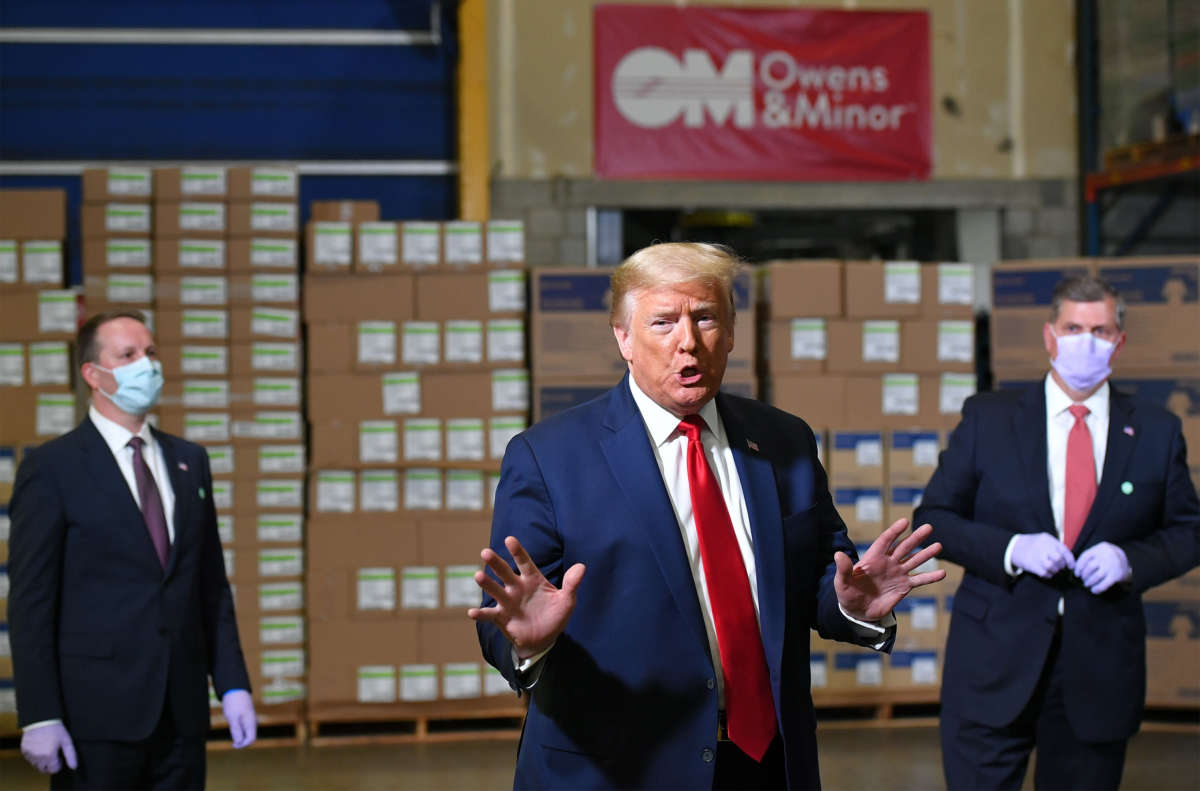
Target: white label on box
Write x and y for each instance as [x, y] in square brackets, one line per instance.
[202, 253]
[818, 672]
[277, 322]
[506, 340]
[377, 342]
[222, 492]
[273, 181]
[868, 508]
[401, 393]
[422, 489]
[8, 474]
[924, 670]
[461, 680]
[494, 682]
[129, 288]
[868, 452]
[204, 360]
[55, 414]
[43, 261]
[501, 430]
[377, 244]
[956, 341]
[868, 672]
[127, 217]
[956, 284]
[282, 690]
[376, 588]
[280, 563]
[924, 616]
[464, 490]
[333, 243]
[464, 439]
[421, 244]
[506, 291]
[881, 341]
[4, 586]
[274, 288]
[464, 242]
[808, 339]
[901, 394]
[129, 181]
[273, 253]
[57, 311]
[202, 181]
[12, 364]
[955, 389]
[276, 391]
[418, 682]
[127, 253]
[281, 629]
[280, 528]
[378, 442]
[205, 324]
[280, 458]
[227, 561]
[5, 522]
[8, 696]
[282, 424]
[225, 528]
[275, 356]
[902, 282]
[283, 663]
[461, 590]
[420, 344]
[273, 217]
[422, 439]
[464, 341]
[202, 216]
[510, 390]
[506, 241]
[8, 261]
[925, 453]
[379, 491]
[419, 587]
[376, 684]
[274, 597]
[206, 426]
[493, 485]
[206, 393]
[335, 491]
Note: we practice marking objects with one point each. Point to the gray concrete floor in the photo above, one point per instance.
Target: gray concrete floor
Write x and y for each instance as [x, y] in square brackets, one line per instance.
[903, 758]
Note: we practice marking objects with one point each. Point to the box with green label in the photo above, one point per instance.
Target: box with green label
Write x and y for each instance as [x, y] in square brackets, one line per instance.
[937, 345]
[191, 182]
[265, 218]
[116, 219]
[117, 183]
[797, 345]
[28, 313]
[36, 414]
[132, 255]
[863, 345]
[200, 216]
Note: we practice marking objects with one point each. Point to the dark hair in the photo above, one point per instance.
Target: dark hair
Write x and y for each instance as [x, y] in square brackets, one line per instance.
[1086, 288]
[86, 350]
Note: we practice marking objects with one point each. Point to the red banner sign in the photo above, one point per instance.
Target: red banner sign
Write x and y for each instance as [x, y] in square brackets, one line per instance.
[782, 94]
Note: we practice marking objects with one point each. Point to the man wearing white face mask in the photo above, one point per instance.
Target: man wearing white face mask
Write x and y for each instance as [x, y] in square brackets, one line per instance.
[119, 609]
[1063, 503]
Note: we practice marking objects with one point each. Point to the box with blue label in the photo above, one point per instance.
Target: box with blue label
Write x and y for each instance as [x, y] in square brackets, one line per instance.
[901, 502]
[916, 669]
[1162, 296]
[918, 621]
[861, 508]
[1022, 292]
[1172, 652]
[856, 458]
[855, 668]
[912, 456]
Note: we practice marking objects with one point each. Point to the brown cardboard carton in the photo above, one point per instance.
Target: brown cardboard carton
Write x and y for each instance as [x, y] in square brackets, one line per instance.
[344, 211]
[264, 218]
[117, 184]
[192, 182]
[332, 348]
[1172, 651]
[918, 622]
[861, 508]
[864, 346]
[907, 400]
[819, 400]
[339, 546]
[1162, 296]
[350, 298]
[263, 183]
[1022, 292]
[329, 247]
[879, 290]
[36, 414]
[103, 255]
[118, 290]
[441, 296]
[346, 659]
[462, 245]
[466, 682]
[937, 345]
[912, 456]
[505, 243]
[179, 256]
[806, 289]
[915, 670]
[41, 262]
[421, 246]
[376, 247]
[263, 254]
[797, 345]
[857, 458]
[264, 322]
[351, 397]
[192, 291]
[900, 502]
[854, 668]
[30, 314]
[33, 214]
[273, 289]
[266, 358]
[191, 325]
[199, 218]
[951, 291]
[128, 218]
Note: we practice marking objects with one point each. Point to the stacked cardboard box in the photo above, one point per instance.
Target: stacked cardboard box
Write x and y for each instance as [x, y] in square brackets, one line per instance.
[416, 382]
[38, 319]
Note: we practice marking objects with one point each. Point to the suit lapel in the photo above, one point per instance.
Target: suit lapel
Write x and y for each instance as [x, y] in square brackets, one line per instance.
[1029, 426]
[1116, 459]
[178, 482]
[102, 467]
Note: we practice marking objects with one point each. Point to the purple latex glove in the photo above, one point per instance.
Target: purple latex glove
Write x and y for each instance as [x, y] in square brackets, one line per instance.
[1102, 566]
[1041, 554]
[239, 713]
[41, 746]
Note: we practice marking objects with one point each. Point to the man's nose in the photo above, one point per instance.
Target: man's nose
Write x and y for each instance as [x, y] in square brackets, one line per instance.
[686, 332]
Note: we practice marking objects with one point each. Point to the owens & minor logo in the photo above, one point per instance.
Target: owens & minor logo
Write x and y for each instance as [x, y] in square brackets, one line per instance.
[651, 88]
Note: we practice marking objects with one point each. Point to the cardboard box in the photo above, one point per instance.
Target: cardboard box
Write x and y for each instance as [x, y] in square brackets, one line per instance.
[36, 414]
[1162, 296]
[907, 400]
[117, 184]
[938, 345]
[191, 182]
[262, 254]
[853, 668]
[266, 358]
[263, 183]
[912, 456]
[31, 314]
[857, 458]
[421, 246]
[260, 392]
[41, 262]
[340, 545]
[914, 670]
[264, 322]
[243, 423]
[37, 364]
[33, 214]
[797, 345]
[477, 442]
[1182, 588]
[191, 291]
[448, 394]
[346, 659]
[125, 218]
[410, 492]
[118, 290]
[885, 290]
[103, 255]
[872, 345]
[919, 622]
[274, 289]
[462, 245]
[264, 218]
[442, 296]
[901, 502]
[505, 244]
[819, 400]
[376, 247]
[1022, 292]
[466, 682]
[861, 508]
[199, 218]
[1172, 652]
[177, 326]
[352, 211]
[349, 298]
[803, 289]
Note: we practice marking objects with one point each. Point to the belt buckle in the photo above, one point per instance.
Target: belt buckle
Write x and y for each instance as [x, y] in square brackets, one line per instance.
[722, 727]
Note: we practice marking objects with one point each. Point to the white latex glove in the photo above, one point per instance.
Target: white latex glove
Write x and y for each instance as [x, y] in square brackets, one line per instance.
[1041, 554]
[239, 713]
[41, 747]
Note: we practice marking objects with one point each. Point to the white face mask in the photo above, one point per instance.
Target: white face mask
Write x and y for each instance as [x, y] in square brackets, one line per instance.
[139, 384]
[1082, 360]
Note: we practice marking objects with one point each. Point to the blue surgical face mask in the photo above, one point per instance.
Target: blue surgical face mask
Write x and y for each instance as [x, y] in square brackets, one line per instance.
[139, 384]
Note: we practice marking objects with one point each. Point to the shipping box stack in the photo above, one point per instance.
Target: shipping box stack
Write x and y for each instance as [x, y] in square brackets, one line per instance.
[416, 382]
[38, 319]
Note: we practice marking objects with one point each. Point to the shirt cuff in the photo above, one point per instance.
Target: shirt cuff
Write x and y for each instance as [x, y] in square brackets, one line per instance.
[529, 671]
[41, 724]
[870, 629]
[1009, 569]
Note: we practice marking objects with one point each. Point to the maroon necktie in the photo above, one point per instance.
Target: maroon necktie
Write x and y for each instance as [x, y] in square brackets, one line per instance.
[1080, 478]
[749, 708]
[152, 507]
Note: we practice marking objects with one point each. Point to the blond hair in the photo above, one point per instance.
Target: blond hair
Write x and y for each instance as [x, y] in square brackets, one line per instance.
[673, 263]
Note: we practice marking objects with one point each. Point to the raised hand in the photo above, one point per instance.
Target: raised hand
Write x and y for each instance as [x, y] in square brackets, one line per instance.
[870, 589]
[529, 610]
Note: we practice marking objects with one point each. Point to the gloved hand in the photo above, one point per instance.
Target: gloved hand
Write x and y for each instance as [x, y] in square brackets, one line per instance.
[239, 713]
[41, 746]
[1041, 554]
[1102, 566]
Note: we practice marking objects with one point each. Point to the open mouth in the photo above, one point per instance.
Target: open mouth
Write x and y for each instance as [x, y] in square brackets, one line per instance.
[690, 375]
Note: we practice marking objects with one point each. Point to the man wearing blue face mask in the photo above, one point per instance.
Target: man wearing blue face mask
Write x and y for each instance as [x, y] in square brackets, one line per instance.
[1063, 503]
[119, 609]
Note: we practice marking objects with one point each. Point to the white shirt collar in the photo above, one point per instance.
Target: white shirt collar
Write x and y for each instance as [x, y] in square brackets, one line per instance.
[1058, 401]
[662, 424]
[115, 435]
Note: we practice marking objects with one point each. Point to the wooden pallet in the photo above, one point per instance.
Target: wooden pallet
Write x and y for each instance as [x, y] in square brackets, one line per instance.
[1175, 147]
[876, 708]
[335, 727]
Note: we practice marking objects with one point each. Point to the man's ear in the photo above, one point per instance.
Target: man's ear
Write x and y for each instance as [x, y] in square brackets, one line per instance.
[88, 373]
[624, 341]
[1050, 340]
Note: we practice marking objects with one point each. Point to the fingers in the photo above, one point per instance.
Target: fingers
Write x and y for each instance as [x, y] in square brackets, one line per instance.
[499, 567]
[249, 730]
[68, 750]
[923, 556]
[927, 578]
[889, 536]
[525, 564]
[236, 733]
[845, 566]
[492, 615]
[914, 540]
[572, 579]
[492, 588]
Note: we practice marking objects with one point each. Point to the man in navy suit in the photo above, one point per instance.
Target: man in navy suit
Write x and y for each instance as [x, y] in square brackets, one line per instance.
[1063, 503]
[119, 609]
[711, 548]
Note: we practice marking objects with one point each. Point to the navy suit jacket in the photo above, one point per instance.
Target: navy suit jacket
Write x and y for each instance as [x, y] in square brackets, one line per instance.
[101, 634]
[991, 483]
[627, 697]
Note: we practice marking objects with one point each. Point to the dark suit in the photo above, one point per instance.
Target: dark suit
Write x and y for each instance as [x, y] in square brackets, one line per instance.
[991, 483]
[102, 637]
[627, 696]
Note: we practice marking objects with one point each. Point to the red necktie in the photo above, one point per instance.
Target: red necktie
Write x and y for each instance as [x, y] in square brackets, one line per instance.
[749, 708]
[1080, 478]
[152, 507]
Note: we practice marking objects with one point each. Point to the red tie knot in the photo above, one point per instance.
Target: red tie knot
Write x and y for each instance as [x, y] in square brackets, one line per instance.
[691, 427]
[1079, 411]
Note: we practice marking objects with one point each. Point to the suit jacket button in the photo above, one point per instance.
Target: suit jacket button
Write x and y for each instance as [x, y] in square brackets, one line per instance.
[711, 683]
[707, 755]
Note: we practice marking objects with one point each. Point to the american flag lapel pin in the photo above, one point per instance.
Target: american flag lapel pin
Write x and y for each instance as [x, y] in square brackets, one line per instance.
[1128, 430]
[752, 445]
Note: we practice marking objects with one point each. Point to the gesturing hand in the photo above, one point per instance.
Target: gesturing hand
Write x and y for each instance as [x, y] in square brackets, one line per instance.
[529, 610]
[870, 589]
